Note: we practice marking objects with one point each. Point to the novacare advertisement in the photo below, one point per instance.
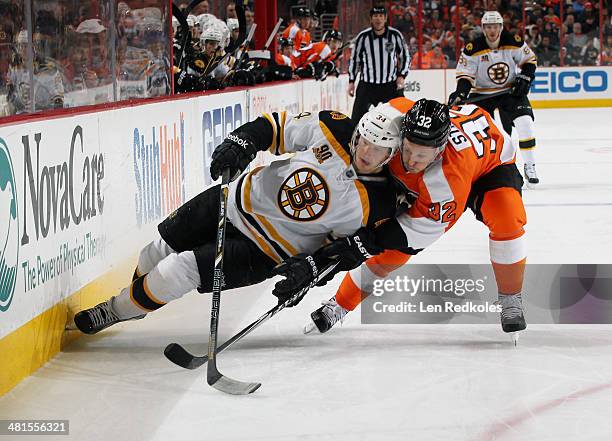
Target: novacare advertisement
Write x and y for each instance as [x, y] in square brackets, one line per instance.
[53, 197]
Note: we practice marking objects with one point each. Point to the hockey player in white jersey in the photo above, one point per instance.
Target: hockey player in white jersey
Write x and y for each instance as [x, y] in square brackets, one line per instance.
[333, 185]
[495, 62]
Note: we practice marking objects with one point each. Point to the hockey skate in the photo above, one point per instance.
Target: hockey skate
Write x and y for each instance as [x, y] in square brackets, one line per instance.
[324, 318]
[531, 175]
[94, 320]
[512, 318]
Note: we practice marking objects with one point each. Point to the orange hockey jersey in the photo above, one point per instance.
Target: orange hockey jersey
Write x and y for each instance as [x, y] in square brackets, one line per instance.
[475, 147]
[300, 37]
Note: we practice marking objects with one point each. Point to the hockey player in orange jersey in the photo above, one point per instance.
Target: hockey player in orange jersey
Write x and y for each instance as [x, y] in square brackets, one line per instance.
[299, 31]
[450, 160]
[318, 59]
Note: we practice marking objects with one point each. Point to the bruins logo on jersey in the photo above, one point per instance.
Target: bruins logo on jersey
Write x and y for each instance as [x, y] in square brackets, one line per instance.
[499, 72]
[304, 196]
[337, 115]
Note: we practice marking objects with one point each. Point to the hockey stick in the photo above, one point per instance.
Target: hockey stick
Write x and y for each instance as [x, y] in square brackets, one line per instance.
[178, 355]
[486, 97]
[272, 34]
[215, 378]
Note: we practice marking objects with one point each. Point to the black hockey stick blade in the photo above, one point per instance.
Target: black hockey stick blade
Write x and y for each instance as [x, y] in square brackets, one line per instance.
[181, 357]
[178, 355]
[231, 386]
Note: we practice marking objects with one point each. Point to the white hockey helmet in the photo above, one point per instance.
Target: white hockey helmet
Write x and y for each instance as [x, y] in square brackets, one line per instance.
[492, 17]
[205, 20]
[233, 24]
[211, 34]
[221, 26]
[191, 20]
[380, 126]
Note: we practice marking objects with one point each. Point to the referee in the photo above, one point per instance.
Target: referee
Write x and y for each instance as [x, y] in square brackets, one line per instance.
[382, 58]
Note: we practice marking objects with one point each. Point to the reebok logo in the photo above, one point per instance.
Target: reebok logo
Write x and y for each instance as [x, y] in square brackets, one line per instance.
[241, 142]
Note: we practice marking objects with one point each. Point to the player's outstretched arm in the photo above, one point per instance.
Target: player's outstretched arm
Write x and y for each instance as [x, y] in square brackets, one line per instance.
[240, 147]
[301, 270]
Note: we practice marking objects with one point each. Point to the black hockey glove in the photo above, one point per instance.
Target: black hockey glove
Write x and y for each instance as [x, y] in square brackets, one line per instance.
[307, 71]
[522, 83]
[211, 83]
[299, 271]
[235, 152]
[351, 251]
[457, 98]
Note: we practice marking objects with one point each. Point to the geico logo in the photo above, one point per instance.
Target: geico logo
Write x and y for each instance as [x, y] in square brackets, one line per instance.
[216, 125]
[570, 81]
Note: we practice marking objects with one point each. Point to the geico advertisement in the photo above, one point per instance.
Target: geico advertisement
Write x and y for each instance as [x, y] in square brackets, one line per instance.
[571, 83]
[218, 116]
[53, 194]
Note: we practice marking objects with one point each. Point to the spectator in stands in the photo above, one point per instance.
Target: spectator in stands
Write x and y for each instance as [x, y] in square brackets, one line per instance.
[424, 56]
[406, 24]
[577, 38]
[230, 11]
[588, 20]
[568, 24]
[565, 57]
[552, 33]
[533, 37]
[551, 17]
[201, 8]
[589, 54]
[605, 58]
[450, 51]
[548, 55]
[578, 6]
[436, 58]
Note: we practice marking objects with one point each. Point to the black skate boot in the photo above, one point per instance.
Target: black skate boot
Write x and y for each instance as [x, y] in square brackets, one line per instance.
[324, 318]
[512, 317]
[530, 174]
[94, 320]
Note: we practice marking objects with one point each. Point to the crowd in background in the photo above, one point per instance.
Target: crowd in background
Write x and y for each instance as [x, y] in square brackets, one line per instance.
[103, 51]
[571, 38]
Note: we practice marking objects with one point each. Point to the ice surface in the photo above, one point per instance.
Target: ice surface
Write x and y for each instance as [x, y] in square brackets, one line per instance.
[376, 382]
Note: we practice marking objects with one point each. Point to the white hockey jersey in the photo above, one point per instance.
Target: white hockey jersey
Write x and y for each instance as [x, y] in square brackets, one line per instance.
[493, 70]
[291, 206]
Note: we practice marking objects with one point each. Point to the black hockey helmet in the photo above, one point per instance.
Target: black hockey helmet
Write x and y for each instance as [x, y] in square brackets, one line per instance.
[378, 10]
[303, 12]
[427, 123]
[284, 42]
[332, 34]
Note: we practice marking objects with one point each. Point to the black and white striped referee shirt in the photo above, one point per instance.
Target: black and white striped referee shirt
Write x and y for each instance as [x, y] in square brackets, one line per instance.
[380, 59]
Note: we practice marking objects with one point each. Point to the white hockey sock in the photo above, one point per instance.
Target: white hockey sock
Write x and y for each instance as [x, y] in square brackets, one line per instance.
[525, 129]
[152, 254]
[173, 277]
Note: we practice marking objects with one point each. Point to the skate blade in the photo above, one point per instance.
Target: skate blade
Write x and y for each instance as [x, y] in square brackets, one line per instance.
[514, 337]
[310, 328]
[70, 327]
